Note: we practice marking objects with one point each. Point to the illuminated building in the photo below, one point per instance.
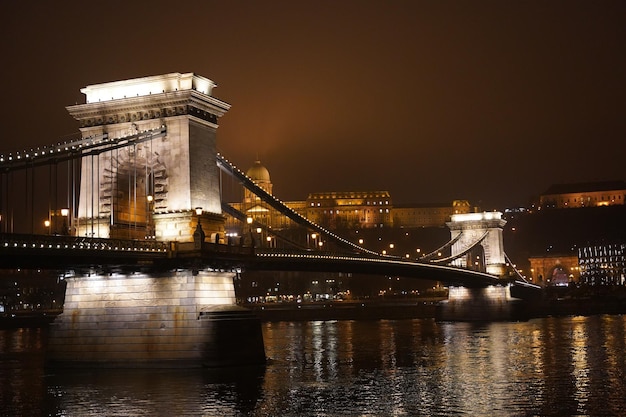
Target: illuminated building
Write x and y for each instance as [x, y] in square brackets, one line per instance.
[557, 270]
[344, 209]
[591, 194]
[603, 264]
[350, 210]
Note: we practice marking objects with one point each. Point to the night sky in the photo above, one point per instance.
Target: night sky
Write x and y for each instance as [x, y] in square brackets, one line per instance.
[491, 101]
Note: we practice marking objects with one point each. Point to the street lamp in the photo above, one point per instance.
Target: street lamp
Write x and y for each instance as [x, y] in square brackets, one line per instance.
[65, 213]
[198, 234]
[46, 223]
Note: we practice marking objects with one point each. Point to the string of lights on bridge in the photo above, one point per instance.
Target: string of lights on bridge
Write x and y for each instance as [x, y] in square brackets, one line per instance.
[88, 244]
[90, 142]
[321, 229]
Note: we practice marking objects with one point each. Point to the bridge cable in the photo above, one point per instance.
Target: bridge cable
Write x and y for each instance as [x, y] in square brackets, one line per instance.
[506, 257]
[228, 209]
[248, 183]
[464, 252]
[445, 246]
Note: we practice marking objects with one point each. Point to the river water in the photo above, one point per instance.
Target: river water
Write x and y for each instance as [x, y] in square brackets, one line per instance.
[544, 367]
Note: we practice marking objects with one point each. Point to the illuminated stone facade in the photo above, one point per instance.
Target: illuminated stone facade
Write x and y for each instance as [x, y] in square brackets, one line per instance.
[135, 320]
[557, 270]
[593, 194]
[479, 244]
[133, 191]
[349, 210]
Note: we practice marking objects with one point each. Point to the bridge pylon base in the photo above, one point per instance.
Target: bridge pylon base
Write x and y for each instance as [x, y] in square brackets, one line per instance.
[493, 303]
[175, 319]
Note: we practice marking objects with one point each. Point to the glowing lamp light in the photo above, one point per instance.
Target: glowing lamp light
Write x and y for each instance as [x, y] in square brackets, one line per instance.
[198, 210]
[249, 220]
[65, 212]
[150, 198]
[46, 223]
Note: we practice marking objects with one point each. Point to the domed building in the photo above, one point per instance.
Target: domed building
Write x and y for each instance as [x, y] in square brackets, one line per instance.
[255, 208]
[259, 174]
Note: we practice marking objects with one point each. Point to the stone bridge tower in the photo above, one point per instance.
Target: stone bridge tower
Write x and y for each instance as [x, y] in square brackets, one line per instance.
[152, 189]
[480, 237]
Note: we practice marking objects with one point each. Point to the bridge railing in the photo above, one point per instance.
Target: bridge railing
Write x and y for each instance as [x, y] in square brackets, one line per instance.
[14, 240]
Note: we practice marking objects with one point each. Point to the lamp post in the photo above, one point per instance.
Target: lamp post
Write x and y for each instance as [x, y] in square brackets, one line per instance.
[150, 232]
[65, 214]
[198, 234]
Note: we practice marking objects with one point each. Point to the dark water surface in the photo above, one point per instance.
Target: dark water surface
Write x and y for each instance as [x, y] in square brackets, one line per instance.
[552, 366]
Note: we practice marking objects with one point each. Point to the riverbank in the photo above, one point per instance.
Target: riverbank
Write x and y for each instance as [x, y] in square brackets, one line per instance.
[416, 308]
[425, 308]
[347, 310]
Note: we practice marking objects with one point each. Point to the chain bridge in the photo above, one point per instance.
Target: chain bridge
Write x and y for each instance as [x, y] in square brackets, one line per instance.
[134, 221]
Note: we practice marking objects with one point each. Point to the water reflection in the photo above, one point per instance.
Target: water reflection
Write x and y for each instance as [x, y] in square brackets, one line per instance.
[225, 392]
[552, 366]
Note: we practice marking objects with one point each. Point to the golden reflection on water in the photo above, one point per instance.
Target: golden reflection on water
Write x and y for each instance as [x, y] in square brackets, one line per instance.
[547, 367]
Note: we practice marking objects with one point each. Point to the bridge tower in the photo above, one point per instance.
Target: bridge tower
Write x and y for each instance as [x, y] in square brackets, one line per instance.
[480, 244]
[163, 188]
[151, 189]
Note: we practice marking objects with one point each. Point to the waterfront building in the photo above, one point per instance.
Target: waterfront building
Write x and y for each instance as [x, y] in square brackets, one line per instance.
[589, 194]
[603, 264]
[554, 270]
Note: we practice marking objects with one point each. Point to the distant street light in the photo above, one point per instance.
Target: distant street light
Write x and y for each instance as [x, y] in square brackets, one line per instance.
[46, 223]
[64, 228]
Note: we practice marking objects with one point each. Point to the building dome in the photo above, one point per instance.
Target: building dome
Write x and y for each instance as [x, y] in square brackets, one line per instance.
[258, 172]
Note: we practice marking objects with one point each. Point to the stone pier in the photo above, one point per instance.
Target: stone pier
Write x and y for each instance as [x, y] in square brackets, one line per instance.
[493, 303]
[174, 319]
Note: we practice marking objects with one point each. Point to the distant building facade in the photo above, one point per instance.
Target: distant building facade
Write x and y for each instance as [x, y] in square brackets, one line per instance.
[603, 264]
[430, 215]
[591, 194]
[559, 270]
[350, 210]
[344, 210]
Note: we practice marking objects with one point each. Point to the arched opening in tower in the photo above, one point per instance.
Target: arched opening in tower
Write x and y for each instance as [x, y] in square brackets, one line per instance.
[131, 202]
[476, 258]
